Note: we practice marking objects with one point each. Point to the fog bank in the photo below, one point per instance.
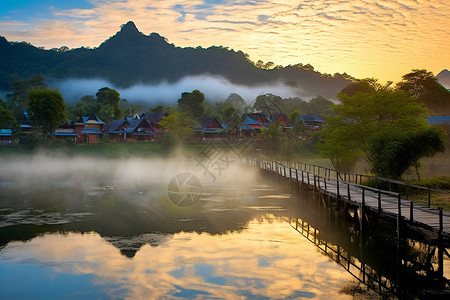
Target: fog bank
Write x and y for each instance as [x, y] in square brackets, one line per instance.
[215, 89]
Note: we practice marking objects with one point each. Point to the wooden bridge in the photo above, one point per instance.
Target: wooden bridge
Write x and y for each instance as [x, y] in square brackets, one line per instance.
[348, 188]
[345, 187]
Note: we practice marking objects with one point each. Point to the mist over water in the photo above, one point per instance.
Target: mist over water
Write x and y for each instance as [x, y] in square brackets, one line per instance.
[215, 89]
[44, 171]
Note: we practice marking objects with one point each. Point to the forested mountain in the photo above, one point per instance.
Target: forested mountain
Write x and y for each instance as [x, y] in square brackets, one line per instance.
[130, 57]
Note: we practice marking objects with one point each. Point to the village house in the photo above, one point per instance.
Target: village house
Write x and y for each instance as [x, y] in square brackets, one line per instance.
[130, 130]
[89, 129]
[283, 119]
[5, 136]
[208, 128]
[65, 131]
[251, 127]
[312, 122]
[155, 118]
[25, 123]
[260, 118]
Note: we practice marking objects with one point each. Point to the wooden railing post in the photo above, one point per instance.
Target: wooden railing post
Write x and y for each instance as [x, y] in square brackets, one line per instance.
[399, 216]
[379, 201]
[440, 246]
[411, 211]
[337, 187]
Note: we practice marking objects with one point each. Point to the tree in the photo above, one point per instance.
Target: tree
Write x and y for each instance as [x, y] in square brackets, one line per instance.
[276, 142]
[359, 117]
[237, 101]
[47, 109]
[179, 124]
[109, 100]
[367, 85]
[320, 106]
[428, 90]
[393, 152]
[296, 123]
[270, 105]
[7, 120]
[192, 103]
[18, 99]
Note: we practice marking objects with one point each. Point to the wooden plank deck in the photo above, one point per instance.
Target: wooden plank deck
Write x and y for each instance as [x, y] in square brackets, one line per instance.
[374, 199]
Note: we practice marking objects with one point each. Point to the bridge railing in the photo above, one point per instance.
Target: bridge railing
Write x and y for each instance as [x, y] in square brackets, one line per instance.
[425, 194]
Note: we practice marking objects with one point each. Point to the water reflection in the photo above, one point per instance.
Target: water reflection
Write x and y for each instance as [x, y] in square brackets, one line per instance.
[266, 259]
[106, 229]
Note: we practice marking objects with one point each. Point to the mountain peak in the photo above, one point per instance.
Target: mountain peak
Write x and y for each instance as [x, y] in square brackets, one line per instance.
[129, 27]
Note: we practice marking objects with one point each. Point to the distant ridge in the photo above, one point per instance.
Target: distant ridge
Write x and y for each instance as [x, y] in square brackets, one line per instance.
[131, 57]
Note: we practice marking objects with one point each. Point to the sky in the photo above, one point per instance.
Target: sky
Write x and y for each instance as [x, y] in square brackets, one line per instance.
[384, 39]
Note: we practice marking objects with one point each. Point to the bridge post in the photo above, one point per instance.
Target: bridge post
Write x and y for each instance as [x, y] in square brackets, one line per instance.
[348, 191]
[379, 201]
[337, 188]
[440, 246]
[411, 211]
[399, 216]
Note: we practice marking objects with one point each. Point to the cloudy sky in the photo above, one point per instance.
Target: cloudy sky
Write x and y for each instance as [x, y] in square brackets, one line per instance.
[383, 39]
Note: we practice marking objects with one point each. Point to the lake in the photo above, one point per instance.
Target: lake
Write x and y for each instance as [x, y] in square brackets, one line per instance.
[153, 229]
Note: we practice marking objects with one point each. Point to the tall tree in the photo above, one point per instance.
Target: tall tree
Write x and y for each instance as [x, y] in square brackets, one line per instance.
[237, 101]
[276, 142]
[18, 99]
[359, 117]
[428, 90]
[47, 109]
[180, 124]
[192, 103]
[269, 104]
[320, 106]
[393, 152]
[109, 100]
[7, 120]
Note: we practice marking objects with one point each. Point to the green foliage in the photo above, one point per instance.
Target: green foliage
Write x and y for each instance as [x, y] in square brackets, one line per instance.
[270, 105]
[169, 142]
[237, 102]
[393, 152]
[359, 117]
[157, 108]
[47, 109]
[276, 142]
[297, 124]
[438, 182]
[109, 101]
[107, 105]
[18, 99]
[7, 120]
[192, 103]
[180, 124]
[87, 105]
[367, 85]
[229, 114]
[320, 106]
[428, 90]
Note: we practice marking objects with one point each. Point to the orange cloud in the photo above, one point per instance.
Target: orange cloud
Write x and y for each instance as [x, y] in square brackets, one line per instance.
[383, 39]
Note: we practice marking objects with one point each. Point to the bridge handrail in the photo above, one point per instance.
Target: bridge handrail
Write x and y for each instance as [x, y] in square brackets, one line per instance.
[375, 177]
[299, 166]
